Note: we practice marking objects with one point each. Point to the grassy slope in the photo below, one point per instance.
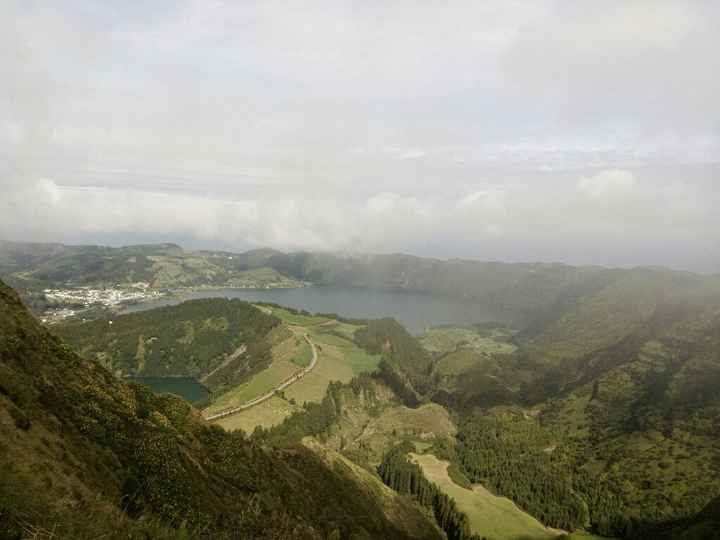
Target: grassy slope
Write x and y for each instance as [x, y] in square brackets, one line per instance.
[76, 442]
[650, 420]
[640, 418]
[267, 414]
[397, 508]
[446, 339]
[339, 359]
[610, 314]
[492, 517]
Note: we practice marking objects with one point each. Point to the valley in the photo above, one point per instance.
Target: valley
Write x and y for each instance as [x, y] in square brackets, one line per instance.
[595, 414]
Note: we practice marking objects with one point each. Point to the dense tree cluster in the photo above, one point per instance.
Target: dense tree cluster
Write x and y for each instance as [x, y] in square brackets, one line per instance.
[519, 470]
[190, 339]
[409, 367]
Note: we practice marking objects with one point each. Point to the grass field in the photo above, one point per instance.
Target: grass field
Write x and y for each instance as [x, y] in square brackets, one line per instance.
[492, 517]
[448, 339]
[456, 362]
[261, 383]
[296, 319]
[353, 356]
[304, 355]
[267, 414]
[339, 359]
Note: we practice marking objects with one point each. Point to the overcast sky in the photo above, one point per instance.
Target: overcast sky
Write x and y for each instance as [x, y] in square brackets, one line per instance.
[582, 132]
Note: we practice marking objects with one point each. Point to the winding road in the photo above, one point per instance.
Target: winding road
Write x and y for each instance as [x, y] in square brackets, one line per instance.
[282, 386]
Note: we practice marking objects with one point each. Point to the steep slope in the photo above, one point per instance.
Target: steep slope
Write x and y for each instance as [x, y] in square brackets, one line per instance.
[406, 367]
[622, 433]
[703, 526]
[223, 342]
[20, 256]
[84, 455]
[632, 440]
[647, 411]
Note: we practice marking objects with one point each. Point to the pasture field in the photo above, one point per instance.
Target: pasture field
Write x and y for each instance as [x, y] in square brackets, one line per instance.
[339, 359]
[303, 356]
[445, 339]
[296, 319]
[258, 385]
[266, 414]
[456, 362]
[492, 517]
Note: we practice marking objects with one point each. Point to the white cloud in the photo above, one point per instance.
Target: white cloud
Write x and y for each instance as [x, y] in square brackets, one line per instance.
[365, 126]
[605, 184]
[524, 221]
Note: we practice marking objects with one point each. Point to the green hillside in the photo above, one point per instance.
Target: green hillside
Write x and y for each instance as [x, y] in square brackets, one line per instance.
[406, 367]
[221, 342]
[597, 411]
[526, 293]
[620, 432]
[77, 442]
[34, 266]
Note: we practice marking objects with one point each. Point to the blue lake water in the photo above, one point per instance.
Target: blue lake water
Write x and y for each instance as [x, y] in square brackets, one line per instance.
[416, 311]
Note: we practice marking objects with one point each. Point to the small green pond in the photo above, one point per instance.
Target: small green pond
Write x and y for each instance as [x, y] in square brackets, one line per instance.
[186, 387]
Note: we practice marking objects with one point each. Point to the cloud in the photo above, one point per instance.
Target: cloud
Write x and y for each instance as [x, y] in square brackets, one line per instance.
[607, 184]
[643, 65]
[522, 222]
[366, 126]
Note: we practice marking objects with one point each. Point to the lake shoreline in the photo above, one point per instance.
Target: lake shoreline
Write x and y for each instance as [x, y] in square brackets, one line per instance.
[416, 311]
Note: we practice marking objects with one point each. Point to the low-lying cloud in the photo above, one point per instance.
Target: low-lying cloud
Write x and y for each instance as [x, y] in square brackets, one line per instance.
[612, 218]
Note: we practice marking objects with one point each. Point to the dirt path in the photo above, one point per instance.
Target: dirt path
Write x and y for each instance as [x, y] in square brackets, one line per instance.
[240, 350]
[282, 386]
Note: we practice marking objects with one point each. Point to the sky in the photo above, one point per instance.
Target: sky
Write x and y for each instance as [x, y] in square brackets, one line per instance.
[581, 132]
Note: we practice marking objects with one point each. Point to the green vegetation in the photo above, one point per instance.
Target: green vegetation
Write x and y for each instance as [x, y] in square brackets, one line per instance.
[159, 265]
[703, 526]
[484, 339]
[83, 443]
[315, 419]
[304, 355]
[186, 387]
[458, 362]
[339, 359]
[406, 477]
[220, 342]
[362, 420]
[258, 385]
[406, 367]
[627, 441]
[601, 412]
[516, 459]
[630, 443]
[489, 516]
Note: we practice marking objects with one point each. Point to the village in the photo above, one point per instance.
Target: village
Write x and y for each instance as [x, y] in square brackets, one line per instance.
[64, 303]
